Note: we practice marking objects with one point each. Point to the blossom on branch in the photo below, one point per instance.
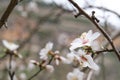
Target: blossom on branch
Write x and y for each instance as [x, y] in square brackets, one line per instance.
[10, 46]
[83, 59]
[44, 52]
[86, 39]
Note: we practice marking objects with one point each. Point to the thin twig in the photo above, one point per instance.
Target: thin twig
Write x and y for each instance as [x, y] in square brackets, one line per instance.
[107, 50]
[40, 69]
[35, 74]
[11, 73]
[81, 11]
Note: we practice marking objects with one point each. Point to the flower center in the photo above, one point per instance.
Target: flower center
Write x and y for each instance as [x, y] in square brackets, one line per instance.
[83, 58]
[85, 41]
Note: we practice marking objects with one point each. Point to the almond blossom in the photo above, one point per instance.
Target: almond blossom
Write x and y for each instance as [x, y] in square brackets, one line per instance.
[75, 75]
[85, 60]
[85, 39]
[10, 46]
[44, 52]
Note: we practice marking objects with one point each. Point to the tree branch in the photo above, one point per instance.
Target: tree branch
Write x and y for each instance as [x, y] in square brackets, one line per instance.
[8, 11]
[81, 11]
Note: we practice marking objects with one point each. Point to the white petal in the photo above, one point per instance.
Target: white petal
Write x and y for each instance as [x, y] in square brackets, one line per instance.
[77, 40]
[69, 76]
[75, 46]
[10, 46]
[95, 36]
[49, 46]
[89, 34]
[70, 57]
[64, 60]
[57, 62]
[50, 68]
[92, 64]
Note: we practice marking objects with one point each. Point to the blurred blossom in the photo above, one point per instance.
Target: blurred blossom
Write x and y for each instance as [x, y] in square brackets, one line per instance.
[22, 67]
[24, 14]
[63, 39]
[10, 46]
[75, 75]
[31, 66]
[86, 39]
[49, 68]
[22, 11]
[44, 52]
[20, 8]
[23, 76]
[32, 6]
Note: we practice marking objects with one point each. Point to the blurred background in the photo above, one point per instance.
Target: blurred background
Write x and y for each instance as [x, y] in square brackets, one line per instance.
[33, 23]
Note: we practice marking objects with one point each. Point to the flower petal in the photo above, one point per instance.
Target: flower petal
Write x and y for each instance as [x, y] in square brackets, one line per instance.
[89, 34]
[94, 36]
[92, 64]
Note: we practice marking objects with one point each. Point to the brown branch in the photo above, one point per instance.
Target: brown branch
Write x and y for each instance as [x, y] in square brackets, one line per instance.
[107, 50]
[81, 11]
[8, 11]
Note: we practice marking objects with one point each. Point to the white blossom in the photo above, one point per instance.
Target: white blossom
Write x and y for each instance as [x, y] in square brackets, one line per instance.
[32, 6]
[23, 76]
[49, 68]
[85, 60]
[31, 66]
[85, 39]
[44, 52]
[10, 46]
[34, 62]
[75, 75]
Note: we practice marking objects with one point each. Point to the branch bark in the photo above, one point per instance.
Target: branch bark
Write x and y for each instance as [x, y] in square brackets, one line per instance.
[7, 12]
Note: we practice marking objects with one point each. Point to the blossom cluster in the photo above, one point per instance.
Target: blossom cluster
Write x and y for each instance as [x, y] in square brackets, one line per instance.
[81, 52]
[47, 56]
[80, 55]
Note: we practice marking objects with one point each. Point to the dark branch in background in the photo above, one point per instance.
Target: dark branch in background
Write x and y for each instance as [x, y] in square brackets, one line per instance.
[102, 8]
[82, 12]
[7, 12]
